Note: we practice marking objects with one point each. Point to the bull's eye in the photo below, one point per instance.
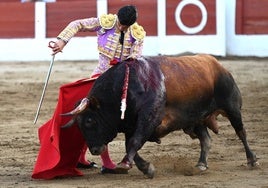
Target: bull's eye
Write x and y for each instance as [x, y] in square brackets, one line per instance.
[90, 122]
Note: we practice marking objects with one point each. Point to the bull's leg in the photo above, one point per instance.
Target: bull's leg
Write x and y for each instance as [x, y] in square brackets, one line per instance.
[128, 158]
[147, 168]
[229, 99]
[205, 141]
[133, 144]
[144, 166]
[236, 122]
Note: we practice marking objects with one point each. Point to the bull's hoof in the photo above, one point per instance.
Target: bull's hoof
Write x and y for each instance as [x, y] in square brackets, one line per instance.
[202, 167]
[253, 164]
[197, 170]
[150, 172]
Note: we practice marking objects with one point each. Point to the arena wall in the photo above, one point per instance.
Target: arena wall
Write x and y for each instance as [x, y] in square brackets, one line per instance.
[217, 27]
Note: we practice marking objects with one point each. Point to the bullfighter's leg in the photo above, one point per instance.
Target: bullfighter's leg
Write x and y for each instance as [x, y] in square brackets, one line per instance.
[205, 144]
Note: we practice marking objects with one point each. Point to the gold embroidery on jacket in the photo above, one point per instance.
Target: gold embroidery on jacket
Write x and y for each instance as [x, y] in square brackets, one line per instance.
[137, 31]
[107, 21]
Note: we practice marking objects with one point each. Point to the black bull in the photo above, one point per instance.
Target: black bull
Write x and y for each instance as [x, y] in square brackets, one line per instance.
[164, 94]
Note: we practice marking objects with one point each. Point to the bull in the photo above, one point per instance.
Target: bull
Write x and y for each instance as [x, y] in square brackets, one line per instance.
[163, 94]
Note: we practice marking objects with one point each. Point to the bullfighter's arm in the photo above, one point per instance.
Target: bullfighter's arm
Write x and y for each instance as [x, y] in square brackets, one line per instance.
[136, 50]
[88, 24]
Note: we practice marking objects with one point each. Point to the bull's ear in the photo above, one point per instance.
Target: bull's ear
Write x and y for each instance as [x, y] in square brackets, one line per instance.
[94, 103]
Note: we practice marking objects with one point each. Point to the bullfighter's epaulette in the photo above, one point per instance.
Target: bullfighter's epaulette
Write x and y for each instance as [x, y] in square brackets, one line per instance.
[107, 21]
[137, 31]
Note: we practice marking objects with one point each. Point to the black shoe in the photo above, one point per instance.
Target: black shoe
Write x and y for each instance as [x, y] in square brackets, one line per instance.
[116, 170]
[87, 166]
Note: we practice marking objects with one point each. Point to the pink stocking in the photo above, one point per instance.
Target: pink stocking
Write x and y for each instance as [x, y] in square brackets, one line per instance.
[106, 160]
[82, 158]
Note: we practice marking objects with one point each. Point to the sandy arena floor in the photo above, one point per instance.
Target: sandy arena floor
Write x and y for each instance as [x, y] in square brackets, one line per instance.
[21, 85]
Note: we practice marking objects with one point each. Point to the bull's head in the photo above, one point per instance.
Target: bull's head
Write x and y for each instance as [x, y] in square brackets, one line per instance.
[92, 124]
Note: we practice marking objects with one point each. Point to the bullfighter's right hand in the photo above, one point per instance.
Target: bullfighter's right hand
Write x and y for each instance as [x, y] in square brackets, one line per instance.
[57, 46]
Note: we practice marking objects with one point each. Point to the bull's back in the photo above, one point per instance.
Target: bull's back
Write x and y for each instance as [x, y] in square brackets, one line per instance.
[190, 77]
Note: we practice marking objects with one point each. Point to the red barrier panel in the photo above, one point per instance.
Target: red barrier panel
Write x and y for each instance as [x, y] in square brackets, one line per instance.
[17, 20]
[251, 17]
[183, 17]
[189, 17]
[61, 13]
[10, 1]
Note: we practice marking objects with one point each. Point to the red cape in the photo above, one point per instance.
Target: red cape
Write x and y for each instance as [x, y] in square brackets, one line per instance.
[60, 148]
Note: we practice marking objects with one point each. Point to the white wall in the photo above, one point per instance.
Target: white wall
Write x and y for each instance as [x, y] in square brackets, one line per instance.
[225, 42]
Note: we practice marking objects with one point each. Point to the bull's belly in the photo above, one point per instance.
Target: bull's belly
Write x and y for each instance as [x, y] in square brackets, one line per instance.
[176, 120]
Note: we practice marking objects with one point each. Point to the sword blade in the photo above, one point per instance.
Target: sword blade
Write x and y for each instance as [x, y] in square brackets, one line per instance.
[44, 89]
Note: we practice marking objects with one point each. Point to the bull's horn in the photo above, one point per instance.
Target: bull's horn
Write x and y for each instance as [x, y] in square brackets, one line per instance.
[80, 108]
[69, 124]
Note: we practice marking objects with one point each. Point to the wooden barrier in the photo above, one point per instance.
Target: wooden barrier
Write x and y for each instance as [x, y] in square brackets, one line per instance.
[251, 17]
[191, 16]
[63, 12]
[147, 13]
[17, 20]
[216, 27]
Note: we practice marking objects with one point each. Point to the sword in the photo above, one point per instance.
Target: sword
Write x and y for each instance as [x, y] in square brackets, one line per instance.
[46, 82]
[44, 89]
